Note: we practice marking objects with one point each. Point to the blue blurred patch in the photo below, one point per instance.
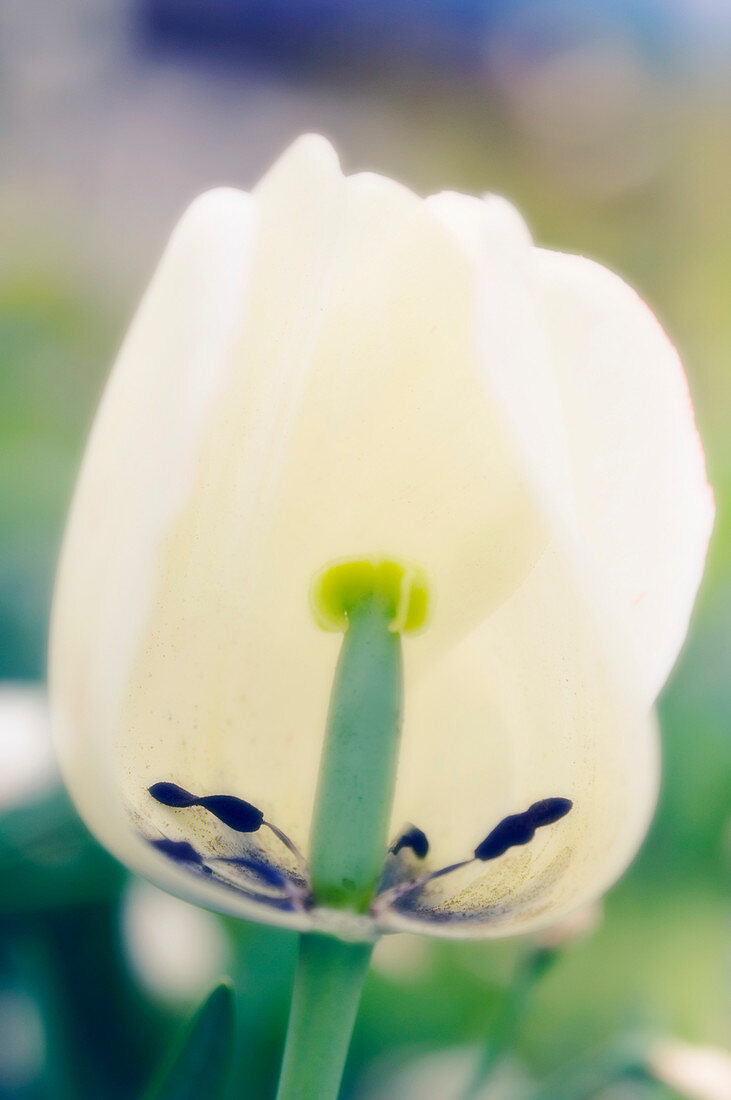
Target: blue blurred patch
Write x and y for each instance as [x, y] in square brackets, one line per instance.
[445, 34]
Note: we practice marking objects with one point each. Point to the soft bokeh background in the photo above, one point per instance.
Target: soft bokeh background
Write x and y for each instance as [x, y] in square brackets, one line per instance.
[610, 126]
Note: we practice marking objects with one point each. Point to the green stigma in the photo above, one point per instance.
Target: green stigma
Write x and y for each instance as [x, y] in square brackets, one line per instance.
[340, 591]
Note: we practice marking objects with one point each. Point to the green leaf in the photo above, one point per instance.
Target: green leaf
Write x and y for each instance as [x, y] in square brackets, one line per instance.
[199, 1063]
[51, 859]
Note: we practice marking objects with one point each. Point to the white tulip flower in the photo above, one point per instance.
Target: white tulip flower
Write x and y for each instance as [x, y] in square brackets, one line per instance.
[333, 370]
[176, 950]
[696, 1072]
[28, 765]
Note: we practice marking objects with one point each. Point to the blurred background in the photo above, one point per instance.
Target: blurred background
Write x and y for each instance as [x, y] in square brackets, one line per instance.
[609, 124]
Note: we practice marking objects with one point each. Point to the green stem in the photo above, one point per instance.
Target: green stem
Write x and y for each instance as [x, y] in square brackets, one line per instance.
[513, 1007]
[590, 1075]
[358, 768]
[328, 983]
[352, 809]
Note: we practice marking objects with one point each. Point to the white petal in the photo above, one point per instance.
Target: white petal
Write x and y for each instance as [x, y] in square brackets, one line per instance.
[334, 368]
[540, 700]
[510, 329]
[638, 478]
[349, 417]
[141, 458]
[534, 704]
[27, 761]
[599, 405]
[176, 950]
[489, 225]
[696, 1072]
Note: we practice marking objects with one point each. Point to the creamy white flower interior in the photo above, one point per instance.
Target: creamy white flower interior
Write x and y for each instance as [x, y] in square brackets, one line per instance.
[334, 368]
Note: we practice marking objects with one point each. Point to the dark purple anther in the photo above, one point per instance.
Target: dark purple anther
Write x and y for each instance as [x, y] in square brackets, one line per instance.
[234, 812]
[170, 794]
[180, 850]
[549, 810]
[262, 870]
[413, 838]
[520, 828]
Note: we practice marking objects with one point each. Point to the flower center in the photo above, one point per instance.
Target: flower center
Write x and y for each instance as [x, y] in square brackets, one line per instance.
[513, 831]
[339, 592]
[372, 602]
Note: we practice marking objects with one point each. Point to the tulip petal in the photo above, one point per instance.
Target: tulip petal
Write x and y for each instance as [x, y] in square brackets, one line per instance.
[511, 333]
[349, 418]
[541, 700]
[334, 369]
[600, 408]
[639, 484]
[533, 705]
[490, 680]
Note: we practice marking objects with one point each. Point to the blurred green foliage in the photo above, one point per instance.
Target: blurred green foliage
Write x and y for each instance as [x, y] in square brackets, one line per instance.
[659, 961]
[200, 1061]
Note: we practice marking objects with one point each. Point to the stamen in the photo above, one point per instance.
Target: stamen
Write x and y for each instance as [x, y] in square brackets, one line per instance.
[234, 812]
[289, 844]
[413, 838]
[239, 815]
[271, 876]
[549, 810]
[401, 889]
[268, 874]
[513, 830]
[291, 893]
[519, 829]
[178, 849]
[170, 794]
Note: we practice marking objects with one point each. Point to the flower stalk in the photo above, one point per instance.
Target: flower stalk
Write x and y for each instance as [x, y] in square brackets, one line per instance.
[358, 768]
[506, 1026]
[372, 603]
[327, 987]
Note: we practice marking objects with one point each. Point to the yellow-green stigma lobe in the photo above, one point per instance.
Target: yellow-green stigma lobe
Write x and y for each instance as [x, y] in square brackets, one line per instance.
[340, 590]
